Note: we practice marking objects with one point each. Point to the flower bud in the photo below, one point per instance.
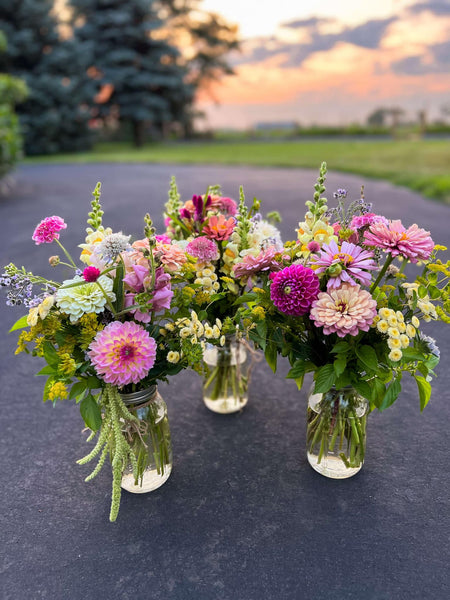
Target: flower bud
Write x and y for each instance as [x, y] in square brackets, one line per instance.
[53, 261]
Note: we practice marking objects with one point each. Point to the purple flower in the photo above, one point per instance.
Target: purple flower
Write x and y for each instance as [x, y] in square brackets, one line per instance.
[160, 300]
[203, 248]
[348, 263]
[364, 220]
[294, 289]
[135, 279]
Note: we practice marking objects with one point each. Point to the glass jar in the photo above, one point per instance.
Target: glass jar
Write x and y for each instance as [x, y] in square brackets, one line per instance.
[336, 432]
[150, 442]
[225, 388]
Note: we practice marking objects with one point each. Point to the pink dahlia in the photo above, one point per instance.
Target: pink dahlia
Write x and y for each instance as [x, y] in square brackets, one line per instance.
[346, 310]
[250, 265]
[91, 274]
[294, 289]
[122, 353]
[203, 248]
[348, 263]
[47, 230]
[219, 228]
[413, 243]
[368, 219]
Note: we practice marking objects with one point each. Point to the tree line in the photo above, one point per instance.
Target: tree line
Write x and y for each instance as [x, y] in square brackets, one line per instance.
[134, 62]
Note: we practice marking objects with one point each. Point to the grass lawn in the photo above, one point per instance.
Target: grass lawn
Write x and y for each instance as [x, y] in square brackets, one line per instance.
[423, 165]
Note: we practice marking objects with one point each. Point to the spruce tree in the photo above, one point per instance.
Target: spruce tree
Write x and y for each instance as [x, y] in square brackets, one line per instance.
[55, 116]
[138, 72]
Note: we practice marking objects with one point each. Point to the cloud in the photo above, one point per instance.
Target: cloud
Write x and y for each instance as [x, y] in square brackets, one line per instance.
[366, 35]
[438, 8]
[422, 64]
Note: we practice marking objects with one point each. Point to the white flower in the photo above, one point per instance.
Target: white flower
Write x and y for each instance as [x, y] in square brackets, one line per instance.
[113, 245]
[415, 321]
[395, 355]
[45, 306]
[84, 298]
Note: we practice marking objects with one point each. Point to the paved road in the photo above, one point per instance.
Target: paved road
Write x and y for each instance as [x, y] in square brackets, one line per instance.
[243, 516]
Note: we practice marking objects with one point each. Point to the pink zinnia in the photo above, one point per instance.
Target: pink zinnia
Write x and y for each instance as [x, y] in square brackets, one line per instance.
[47, 230]
[368, 219]
[227, 206]
[249, 265]
[163, 239]
[91, 274]
[219, 228]
[348, 263]
[122, 353]
[204, 249]
[345, 311]
[294, 289]
[413, 243]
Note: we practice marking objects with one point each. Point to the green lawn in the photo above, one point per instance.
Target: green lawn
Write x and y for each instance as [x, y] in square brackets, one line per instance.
[423, 165]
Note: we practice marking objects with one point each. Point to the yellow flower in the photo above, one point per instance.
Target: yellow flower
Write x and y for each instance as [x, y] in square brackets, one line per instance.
[57, 390]
[222, 340]
[170, 326]
[67, 366]
[382, 326]
[173, 357]
[45, 306]
[395, 355]
[259, 313]
[393, 332]
[404, 339]
[415, 321]
[216, 332]
[401, 327]
[399, 316]
[394, 343]
[392, 320]
[385, 313]
[410, 331]
[33, 316]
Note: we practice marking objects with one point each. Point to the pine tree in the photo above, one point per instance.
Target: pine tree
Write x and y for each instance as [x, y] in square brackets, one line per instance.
[138, 72]
[55, 116]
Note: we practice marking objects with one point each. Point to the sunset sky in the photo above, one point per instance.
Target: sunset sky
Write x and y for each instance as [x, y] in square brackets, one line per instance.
[332, 61]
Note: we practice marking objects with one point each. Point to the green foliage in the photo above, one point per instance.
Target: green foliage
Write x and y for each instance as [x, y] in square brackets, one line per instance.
[54, 117]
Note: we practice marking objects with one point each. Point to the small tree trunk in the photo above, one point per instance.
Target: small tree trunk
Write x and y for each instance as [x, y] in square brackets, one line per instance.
[138, 133]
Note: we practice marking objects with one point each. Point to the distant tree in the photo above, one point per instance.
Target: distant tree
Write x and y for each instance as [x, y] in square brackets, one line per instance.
[378, 117]
[12, 90]
[55, 116]
[139, 75]
[206, 40]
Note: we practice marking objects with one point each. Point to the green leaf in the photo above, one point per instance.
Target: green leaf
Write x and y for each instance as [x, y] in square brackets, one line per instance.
[339, 365]
[93, 382]
[118, 287]
[20, 324]
[77, 389]
[378, 391]
[340, 347]
[50, 354]
[325, 378]
[424, 390]
[422, 291]
[432, 362]
[47, 370]
[412, 354]
[391, 394]
[270, 354]
[299, 368]
[368, 357]
[363, 388]
[343, 380]
[259, 334]
[91, 413]
[250, 297]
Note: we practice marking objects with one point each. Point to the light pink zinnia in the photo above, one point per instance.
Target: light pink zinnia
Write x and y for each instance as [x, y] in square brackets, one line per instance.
[219, 228]
[345, 311]
[413, 243]
[122, 353]
[348, 263]
[250, 265]
[47, 230]
[203, 248]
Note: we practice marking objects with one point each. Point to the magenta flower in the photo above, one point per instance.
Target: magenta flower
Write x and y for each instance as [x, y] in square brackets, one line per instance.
[294, 289]
[91, 274]
[163, 239]
[368, 219]
[413, 243]
[135, 278]
[348, 263]
[47, 230]
[345, 311]
[122, 353]
[203, 248]
[250, 265]
[161, 298]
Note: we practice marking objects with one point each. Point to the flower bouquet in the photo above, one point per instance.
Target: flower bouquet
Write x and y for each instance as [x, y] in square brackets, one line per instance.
[225, 243]
[110, 333]
[340, 306]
